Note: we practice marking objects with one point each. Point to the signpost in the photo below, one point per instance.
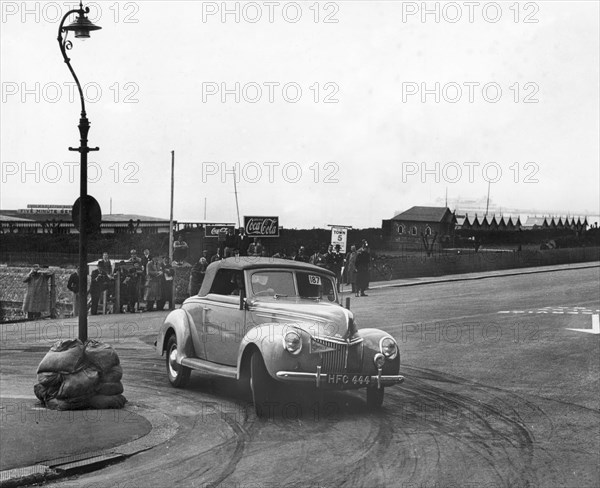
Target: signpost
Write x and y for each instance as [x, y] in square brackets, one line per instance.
[339, 236]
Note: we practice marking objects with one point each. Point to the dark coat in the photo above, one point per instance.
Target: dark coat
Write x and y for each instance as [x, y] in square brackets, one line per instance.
[351, 267]
[36, 296]
[153, 277]
[362, 270]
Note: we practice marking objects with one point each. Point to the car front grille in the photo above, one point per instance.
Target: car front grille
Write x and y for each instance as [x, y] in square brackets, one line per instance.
[345, 358]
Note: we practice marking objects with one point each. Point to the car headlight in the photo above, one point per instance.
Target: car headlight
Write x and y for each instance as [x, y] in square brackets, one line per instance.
[379, 360]
[388, 347]
[292, 342]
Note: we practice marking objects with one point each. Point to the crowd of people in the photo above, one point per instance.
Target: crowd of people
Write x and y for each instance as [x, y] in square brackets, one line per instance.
[351, 268]
[148, 278]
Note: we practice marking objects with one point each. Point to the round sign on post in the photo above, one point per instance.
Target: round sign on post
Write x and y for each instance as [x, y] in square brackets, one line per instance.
[93, 214]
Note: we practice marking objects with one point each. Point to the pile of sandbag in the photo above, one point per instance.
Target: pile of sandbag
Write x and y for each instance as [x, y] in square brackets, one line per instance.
[74, 375]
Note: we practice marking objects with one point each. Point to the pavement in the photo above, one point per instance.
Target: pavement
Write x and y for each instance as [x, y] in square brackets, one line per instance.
[92, 439]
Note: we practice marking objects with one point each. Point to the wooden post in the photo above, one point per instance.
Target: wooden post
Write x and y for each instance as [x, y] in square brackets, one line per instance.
[118, 291]
[52, 296]
[172, 300]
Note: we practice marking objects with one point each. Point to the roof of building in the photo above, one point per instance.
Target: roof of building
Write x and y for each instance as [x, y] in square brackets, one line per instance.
[10, 218]
[15, 215]
[424, 214]
[128, 217]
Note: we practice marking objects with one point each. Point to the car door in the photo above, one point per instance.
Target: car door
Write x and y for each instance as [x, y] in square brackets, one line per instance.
[223, 321]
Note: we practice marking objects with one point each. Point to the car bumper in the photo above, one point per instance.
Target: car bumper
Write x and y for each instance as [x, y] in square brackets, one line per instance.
[344, 380]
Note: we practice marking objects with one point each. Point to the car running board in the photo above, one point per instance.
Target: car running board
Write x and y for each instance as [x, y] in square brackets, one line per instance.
[210, 368]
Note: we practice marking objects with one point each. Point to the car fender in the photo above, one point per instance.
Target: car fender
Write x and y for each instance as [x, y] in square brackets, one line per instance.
[371, 339]
[182, 324]
[268, 338]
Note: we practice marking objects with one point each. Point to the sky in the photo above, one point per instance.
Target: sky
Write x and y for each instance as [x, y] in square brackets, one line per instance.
[339, 112]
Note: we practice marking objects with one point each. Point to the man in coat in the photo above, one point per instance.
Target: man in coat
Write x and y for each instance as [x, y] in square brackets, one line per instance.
[105, 268]
[153, 279]
[73, 285]
[180, 250]
[36, 296]
[166, 284]
[135, 285]
[197, 274]
[351, 268]
[362, 271]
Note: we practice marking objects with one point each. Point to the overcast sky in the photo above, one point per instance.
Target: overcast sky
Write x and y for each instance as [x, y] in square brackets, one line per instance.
[336, 112]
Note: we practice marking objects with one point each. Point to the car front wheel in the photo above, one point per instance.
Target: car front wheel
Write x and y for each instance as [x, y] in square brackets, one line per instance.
[374, 397]
[178, 374]
[262, 386]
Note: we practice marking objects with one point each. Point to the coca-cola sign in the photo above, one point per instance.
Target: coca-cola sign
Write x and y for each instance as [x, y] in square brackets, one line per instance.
[262, 226]
[214, 230]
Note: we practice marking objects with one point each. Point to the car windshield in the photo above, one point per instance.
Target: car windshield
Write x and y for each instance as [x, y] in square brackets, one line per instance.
[281, 283]
[312, 285]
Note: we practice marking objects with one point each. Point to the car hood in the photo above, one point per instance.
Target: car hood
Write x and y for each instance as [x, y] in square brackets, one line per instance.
[318, 318]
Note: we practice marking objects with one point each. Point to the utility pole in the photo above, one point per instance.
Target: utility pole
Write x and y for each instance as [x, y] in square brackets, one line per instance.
[236, 198]
[171, 214]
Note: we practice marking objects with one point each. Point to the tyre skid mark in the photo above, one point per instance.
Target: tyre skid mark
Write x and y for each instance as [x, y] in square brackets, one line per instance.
[507, 433]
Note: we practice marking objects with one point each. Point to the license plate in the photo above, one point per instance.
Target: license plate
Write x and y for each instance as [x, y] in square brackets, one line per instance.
[348, 379]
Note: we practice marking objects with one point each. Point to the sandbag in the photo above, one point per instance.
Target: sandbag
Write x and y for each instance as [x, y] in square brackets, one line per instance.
[64, 357]
[113, 388]
[70, 404]
[101, 355]
[45, 393]
[78, 384]
[49, 379]
[107, 401]
[113, 375]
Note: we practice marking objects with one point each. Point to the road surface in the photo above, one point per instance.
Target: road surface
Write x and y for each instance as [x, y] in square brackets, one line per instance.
[498, 393]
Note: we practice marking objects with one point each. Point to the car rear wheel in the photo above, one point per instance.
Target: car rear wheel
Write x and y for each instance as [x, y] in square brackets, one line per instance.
[178, 374]
[375, 397]
[262, 386]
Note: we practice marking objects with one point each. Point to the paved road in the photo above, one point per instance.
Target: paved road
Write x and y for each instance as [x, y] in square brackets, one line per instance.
[499, 393]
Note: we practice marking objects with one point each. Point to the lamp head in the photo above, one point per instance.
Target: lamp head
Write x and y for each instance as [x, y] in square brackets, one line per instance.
[82, 26]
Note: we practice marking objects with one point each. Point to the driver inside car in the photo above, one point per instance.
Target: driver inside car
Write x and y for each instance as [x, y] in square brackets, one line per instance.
[238, 280]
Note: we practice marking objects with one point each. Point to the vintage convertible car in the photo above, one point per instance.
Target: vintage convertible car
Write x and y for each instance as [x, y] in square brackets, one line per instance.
[264, 321]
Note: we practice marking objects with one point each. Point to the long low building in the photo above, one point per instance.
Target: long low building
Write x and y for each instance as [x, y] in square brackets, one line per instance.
[57, 219]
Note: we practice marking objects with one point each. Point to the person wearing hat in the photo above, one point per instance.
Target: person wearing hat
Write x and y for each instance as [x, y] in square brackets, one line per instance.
[301, 256]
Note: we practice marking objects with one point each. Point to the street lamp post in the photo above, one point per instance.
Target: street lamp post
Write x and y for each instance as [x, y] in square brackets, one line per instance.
[81, 28]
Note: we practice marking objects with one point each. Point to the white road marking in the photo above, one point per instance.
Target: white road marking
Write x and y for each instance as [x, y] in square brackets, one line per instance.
[555, 310]
[595, 326]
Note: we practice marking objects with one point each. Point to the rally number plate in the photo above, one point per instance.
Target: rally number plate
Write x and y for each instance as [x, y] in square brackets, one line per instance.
[348, 379]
